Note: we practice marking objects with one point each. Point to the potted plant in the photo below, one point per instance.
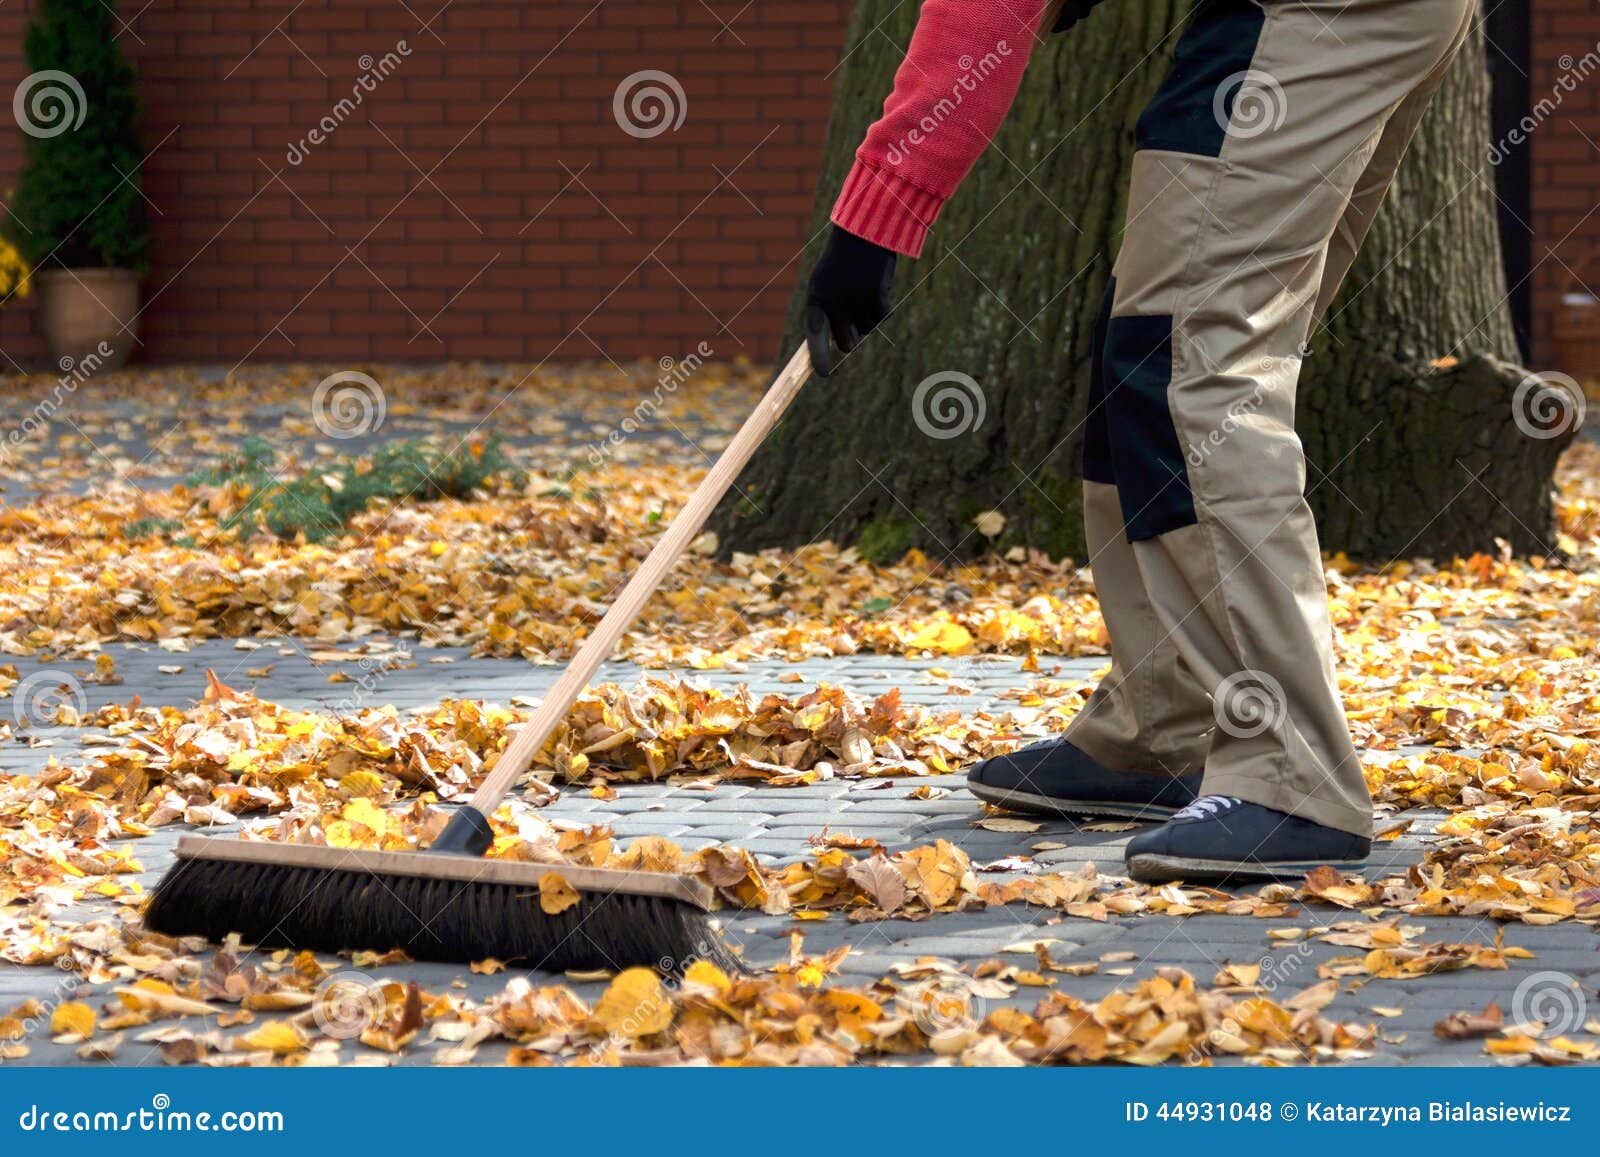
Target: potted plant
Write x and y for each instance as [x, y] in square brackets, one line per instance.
[15, 279]
[78, 214]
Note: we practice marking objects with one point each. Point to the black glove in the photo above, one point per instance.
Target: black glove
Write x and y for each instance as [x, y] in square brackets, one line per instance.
[848, 294]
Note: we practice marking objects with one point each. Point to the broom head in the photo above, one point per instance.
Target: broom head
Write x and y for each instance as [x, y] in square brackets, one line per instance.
[434, 906]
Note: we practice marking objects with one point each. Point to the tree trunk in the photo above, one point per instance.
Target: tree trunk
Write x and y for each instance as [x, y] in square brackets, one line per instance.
[991, 335]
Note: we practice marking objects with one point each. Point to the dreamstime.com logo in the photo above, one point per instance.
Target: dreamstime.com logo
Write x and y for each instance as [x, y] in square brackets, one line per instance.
[1547, 405]
[348, 1003]
[673, 373]
[974, 71]
[1259, 104]
[1549, 1004]
[649, 103]
[38, 700]
[1249, 703]
[49, 103]
[73, 374]
[374, 71]
[1273, 972]
[943, 1004]
[948, 404]
[653, 1009]
[348, 404]
[160, 1117]
[1574, 73]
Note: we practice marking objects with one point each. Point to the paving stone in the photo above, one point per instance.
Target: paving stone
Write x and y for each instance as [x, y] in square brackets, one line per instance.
[783, 849]
[649, 826]
[762, 805]
[966, 805]
[725, 833]
[646, 805]
[775, 824]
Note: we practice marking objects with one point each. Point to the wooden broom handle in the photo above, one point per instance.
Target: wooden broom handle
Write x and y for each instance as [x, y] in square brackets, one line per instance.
[597, 648]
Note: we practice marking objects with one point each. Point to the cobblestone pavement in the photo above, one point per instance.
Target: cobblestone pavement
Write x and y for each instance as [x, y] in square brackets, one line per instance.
[144, 440]
[777, 822]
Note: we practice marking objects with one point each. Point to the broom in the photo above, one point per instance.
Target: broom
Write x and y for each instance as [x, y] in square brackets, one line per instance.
[446, 903]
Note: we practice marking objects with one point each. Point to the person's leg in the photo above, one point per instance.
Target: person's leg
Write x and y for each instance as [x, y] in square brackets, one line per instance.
[1250, 154]
[1373, 186]
[1138, 745]
[1148, 713]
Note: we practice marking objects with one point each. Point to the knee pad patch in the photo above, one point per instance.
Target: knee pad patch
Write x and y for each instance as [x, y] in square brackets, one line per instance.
[1146, 454]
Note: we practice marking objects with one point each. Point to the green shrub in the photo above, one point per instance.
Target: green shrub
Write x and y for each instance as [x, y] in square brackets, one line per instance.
[321, 503]
[77, 202]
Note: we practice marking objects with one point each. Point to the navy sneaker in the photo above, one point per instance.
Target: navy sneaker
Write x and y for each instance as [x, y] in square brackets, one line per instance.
[1056, 778]
[1219, 838]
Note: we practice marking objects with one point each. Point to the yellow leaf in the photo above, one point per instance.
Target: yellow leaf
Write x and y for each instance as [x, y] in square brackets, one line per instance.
[943, 637]
[362, 784]
[366, 813]
[73, 1017]
[990, 523]
[634, 1005]
[278, 1036]
[555, 894]
[1008, 824]
[708, 974]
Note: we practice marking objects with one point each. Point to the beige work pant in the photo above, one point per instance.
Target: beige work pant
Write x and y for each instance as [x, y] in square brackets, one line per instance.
[1261, 162]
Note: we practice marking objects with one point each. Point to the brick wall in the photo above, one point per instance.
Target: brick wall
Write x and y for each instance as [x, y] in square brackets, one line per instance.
[484, 203]
[1566, 161]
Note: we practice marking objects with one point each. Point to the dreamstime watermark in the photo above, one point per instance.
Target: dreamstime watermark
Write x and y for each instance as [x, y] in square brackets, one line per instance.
[1271, 372]
[1549, 1004]
[948, 404]
[49, 103]
[1239, 413]
[373, 73]
[649, 103]
[673, 373]
[374, 670]
[73, 374]
[653, 1008]
[160, 1117]
[1258, 104]
[348, 1003]
[1573, 73]
[348, 404]
[38, 700]
[66, 989]
[973, 72]
[943, 1003]
[1276, 971]
[1249, 703]
[1547, 405]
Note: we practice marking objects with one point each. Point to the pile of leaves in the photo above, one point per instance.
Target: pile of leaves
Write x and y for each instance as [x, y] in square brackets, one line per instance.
[297, 1010]
[1487, 663]
[521, 573]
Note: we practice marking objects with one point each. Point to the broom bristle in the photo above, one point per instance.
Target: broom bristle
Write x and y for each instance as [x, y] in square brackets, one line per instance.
[333, 910]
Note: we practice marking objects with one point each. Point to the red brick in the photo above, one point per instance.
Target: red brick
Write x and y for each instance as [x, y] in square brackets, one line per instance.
[246, 266]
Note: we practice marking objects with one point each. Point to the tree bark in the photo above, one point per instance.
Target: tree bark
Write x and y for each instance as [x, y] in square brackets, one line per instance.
[991, 335]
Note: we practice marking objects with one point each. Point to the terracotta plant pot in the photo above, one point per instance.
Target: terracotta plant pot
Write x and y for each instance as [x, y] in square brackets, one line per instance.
[85, 313]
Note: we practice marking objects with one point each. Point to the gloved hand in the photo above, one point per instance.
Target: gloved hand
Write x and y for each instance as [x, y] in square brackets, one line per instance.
[848, 295]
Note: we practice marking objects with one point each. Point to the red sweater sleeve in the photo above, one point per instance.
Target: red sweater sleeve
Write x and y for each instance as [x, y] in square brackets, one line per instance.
[951, 92]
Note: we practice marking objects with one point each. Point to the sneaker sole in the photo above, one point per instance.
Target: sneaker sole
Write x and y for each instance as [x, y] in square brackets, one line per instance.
[1023, 801]
[1152, 869]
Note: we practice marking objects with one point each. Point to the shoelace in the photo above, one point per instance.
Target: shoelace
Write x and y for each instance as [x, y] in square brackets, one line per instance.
[1207, 806]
